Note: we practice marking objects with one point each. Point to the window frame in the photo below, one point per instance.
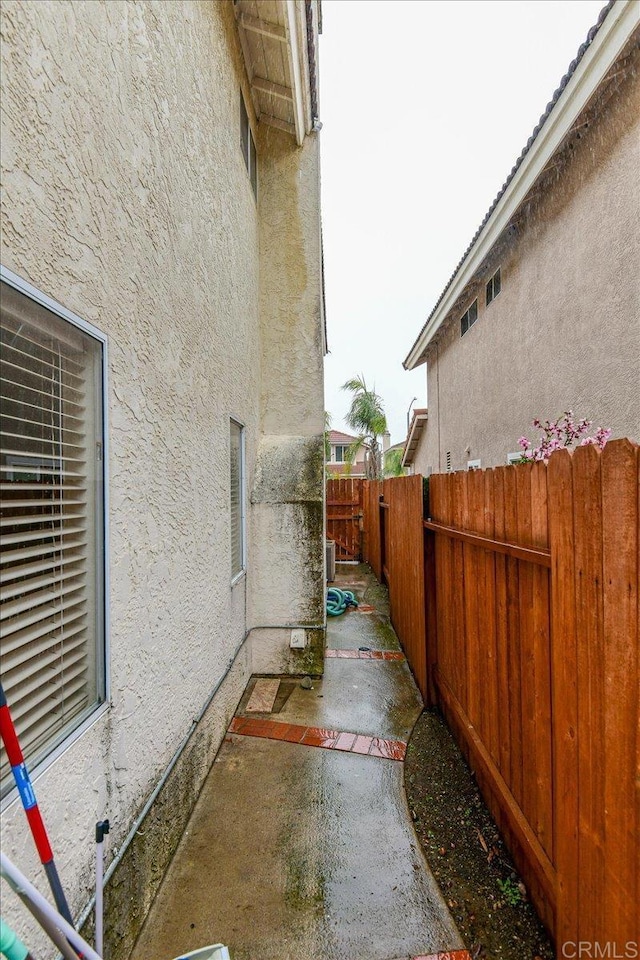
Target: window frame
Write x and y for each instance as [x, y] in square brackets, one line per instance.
[491, 286]
[235, 577]
[103, 592]
[248, 147]
[465, 320]
[343, 447]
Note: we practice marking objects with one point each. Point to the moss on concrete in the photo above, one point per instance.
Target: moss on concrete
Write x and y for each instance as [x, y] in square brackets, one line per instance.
[310, 661]
[132, 888]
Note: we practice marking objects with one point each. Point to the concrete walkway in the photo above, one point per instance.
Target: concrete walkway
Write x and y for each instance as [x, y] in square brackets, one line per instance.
[301, 845]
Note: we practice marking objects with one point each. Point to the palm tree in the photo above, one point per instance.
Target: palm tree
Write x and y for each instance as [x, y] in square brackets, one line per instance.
[366, 417]
[393, 463]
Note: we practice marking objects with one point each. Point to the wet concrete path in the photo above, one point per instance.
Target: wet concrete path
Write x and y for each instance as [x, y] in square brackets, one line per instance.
[302, 847]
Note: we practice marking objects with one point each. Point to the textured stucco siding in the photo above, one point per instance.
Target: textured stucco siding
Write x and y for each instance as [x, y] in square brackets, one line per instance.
[126, 199]
[564, 333]
[287, 493]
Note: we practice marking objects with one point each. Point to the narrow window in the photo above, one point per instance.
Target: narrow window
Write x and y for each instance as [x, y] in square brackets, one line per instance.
[493, 287]
[244, 132]
[253, 165]
[237, 470]
[52, 512]
[248, 147]
[468, 318]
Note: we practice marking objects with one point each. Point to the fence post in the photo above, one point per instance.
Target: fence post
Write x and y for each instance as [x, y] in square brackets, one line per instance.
[430, 618]
[564, 706]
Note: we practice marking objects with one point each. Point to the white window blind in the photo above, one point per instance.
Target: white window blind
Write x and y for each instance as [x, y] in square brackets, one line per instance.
[51, 569]
[237, 497]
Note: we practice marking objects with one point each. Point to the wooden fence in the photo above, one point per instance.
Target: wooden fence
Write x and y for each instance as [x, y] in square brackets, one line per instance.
[523, 628]
[344, 516]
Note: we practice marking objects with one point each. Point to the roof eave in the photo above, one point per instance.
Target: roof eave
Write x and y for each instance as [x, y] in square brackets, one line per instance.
[621, 21]
[295, 29]
[418, 425]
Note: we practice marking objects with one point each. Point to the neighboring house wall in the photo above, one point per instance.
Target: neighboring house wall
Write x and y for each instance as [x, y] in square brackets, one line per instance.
[338, 465]
[564, 332]
[420, 461]
[127, 200]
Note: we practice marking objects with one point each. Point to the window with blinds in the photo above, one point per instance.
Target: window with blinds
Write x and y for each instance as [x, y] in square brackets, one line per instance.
[51, 515]
[237, 498]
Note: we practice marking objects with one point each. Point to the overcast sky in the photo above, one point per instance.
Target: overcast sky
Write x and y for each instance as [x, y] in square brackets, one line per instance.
[425, 107]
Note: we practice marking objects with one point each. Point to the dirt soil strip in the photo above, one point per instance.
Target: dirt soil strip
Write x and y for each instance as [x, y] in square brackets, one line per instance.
[465, 851]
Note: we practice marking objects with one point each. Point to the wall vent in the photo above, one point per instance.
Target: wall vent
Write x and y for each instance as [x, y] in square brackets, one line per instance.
[330, 548]
[448, 461]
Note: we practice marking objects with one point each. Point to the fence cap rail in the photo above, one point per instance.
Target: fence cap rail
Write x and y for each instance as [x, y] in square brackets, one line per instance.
[536, 555]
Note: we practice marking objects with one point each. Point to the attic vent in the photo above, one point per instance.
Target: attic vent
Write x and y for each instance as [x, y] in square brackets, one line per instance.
[448, 460]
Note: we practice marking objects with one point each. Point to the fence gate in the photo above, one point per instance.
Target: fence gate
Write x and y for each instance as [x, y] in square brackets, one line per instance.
[344, 517]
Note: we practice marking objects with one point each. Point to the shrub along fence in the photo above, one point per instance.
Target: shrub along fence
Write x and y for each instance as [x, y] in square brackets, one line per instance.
[516, 603]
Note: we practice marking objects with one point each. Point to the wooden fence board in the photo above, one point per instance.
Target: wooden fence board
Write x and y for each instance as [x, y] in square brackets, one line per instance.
[371, 534]
[541, 665]
[458, 511]
[621, 895]
[587, 544]
[491, 705]
[503, 692]
[565, 700]
[472, 557]
[526, 642]
[514, 671]
[405, 562]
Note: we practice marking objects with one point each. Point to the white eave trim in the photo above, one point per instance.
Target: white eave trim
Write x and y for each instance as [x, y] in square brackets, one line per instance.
[420, 420]
[620, 23]
[299, 68]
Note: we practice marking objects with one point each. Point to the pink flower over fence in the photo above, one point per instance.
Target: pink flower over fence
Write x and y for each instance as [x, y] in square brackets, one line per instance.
[561, 433]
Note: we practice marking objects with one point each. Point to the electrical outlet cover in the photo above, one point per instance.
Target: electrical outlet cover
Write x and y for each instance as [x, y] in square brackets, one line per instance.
[298, 639]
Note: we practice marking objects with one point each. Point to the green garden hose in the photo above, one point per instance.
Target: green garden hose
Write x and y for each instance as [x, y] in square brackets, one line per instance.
[339, 600]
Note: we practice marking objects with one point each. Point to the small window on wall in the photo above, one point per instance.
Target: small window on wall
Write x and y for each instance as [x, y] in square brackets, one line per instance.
[493, 287]
[340, 455]
[237, 471]
[52, 659]
[468, 318]
[248, 147]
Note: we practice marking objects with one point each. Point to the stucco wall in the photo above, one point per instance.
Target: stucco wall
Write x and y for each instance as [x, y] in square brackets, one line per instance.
[421, 462]
[286, 579]
[564, 333]
[126, 198]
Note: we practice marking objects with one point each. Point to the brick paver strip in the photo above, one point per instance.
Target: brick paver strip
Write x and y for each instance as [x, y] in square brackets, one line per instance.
[447, 955]
[365, 654]
[342, 740]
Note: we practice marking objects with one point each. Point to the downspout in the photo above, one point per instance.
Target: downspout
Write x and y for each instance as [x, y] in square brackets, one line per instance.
[438, 401]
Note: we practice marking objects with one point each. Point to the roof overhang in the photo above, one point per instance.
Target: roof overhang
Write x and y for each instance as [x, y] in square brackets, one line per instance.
[417, 428]
[278, 47]
[614, 32]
